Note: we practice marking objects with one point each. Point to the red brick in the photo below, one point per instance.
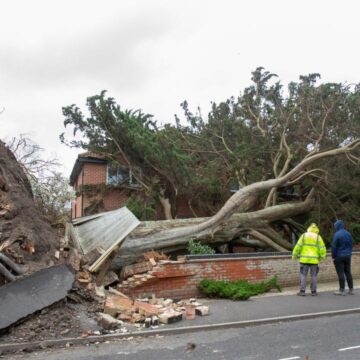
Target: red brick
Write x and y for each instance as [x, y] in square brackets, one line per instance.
[186, 276]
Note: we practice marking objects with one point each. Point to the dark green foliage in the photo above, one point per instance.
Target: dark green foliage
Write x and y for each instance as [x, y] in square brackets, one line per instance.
[240, 141]
[236, 290]
[143, 209]
[196, 248]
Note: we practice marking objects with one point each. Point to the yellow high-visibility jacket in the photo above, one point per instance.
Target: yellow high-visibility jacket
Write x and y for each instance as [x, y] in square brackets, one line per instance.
[310, 247]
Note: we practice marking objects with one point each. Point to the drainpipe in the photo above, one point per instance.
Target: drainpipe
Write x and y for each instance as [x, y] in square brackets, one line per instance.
[82, 193]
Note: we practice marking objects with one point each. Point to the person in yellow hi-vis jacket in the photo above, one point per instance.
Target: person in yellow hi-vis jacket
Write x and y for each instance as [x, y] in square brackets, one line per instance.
[310, 249]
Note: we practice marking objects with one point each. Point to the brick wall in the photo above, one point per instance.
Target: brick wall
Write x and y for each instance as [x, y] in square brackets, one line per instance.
[179, 279]
[94, 173]
[114, 200]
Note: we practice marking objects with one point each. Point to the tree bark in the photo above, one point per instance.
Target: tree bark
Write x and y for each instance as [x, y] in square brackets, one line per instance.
[206, 229]
[145, 238]
[165, 202]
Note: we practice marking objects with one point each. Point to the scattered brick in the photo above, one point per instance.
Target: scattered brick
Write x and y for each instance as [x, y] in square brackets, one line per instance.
[115, 304]
[202, 310]
[107, 322]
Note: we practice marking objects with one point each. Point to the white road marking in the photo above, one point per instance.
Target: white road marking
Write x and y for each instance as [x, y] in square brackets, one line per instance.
[350, 348]
[291, 358]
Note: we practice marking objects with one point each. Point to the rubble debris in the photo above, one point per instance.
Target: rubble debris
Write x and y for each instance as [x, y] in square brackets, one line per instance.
[154, 321]
[150, 312]
[110, 279]
[84, 277]
[147, 322]
[117, 304]
[138, 268]
[74, 259]
[170, 317]
[59, 319]
[202, 310]
[116, 292]
[8, 268]
[108, 322]
[155, 256]
[34, 292]
[100, 291]
[167, 302]
[189, 311]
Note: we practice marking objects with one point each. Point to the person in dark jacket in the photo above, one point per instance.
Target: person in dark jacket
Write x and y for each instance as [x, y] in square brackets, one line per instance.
[341, 250]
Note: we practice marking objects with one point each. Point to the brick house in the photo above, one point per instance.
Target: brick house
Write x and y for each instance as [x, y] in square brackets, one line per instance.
[90, 176]
[102, 186]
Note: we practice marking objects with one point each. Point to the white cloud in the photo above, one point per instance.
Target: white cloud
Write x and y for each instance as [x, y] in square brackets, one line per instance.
[154, 54]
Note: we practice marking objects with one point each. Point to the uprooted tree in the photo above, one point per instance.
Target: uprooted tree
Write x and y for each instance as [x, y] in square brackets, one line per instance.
[278, 148]
[24, 233]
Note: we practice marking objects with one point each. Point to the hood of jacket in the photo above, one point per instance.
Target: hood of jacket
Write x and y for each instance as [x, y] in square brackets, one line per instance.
[339, 225]
[313, 228]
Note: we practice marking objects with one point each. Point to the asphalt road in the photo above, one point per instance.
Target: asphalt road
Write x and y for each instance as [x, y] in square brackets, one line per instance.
[329, 338]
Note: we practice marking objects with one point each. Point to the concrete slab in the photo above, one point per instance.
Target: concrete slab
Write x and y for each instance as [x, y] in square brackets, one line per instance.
[34, 292]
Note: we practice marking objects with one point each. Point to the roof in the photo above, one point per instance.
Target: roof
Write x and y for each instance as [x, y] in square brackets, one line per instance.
[103, 232]
[92, 154]
[86, 157]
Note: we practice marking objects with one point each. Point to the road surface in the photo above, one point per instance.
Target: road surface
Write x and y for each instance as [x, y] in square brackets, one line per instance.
[329, 338]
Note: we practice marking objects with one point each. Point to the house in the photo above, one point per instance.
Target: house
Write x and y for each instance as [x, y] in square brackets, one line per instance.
[101, 185]
[95, 181]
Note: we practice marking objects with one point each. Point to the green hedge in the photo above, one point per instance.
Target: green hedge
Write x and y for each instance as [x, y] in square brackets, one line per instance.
[236, 290]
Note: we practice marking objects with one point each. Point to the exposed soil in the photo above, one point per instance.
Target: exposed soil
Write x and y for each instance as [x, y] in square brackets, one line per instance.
[62, 320]
[28, 236]
[28, 239]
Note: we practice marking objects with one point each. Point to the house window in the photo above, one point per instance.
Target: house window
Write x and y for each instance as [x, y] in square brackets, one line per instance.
[132, 181]
[117, 175]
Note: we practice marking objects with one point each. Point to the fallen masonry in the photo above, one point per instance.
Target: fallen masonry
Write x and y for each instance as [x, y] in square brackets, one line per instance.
[148, 312]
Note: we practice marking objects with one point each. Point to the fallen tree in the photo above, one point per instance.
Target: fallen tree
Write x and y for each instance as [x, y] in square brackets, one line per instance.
[269, 145]
[24, 233]
[227, 220]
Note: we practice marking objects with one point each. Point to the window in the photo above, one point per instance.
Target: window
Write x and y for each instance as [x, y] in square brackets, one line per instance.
[117, 175]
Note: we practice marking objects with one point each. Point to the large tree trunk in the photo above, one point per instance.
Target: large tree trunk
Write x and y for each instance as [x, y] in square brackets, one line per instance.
[256, 224]
[227, 223]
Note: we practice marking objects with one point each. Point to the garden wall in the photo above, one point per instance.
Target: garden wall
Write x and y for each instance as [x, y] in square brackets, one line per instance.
[179, 279]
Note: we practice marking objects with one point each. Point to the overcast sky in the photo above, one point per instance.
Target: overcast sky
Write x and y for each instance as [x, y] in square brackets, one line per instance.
[153, 54]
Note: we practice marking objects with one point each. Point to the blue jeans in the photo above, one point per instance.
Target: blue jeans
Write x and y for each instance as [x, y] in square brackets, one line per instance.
[314, 269]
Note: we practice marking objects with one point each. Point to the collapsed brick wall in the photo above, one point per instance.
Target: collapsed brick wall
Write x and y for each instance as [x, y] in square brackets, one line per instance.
[179, 279]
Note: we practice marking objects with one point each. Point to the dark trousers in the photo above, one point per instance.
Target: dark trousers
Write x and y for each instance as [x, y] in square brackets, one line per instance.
[343, 269]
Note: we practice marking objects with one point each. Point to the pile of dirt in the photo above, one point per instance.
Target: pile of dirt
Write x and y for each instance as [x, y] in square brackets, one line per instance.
[24, 234]
[61, 320]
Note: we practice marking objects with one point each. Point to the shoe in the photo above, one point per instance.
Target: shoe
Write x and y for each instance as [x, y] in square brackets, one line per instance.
[339, 292]
[313, 293]
[301, 293]
[351, 292]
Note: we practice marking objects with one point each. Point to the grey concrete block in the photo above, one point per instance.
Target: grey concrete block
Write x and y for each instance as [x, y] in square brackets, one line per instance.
[29, 294]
